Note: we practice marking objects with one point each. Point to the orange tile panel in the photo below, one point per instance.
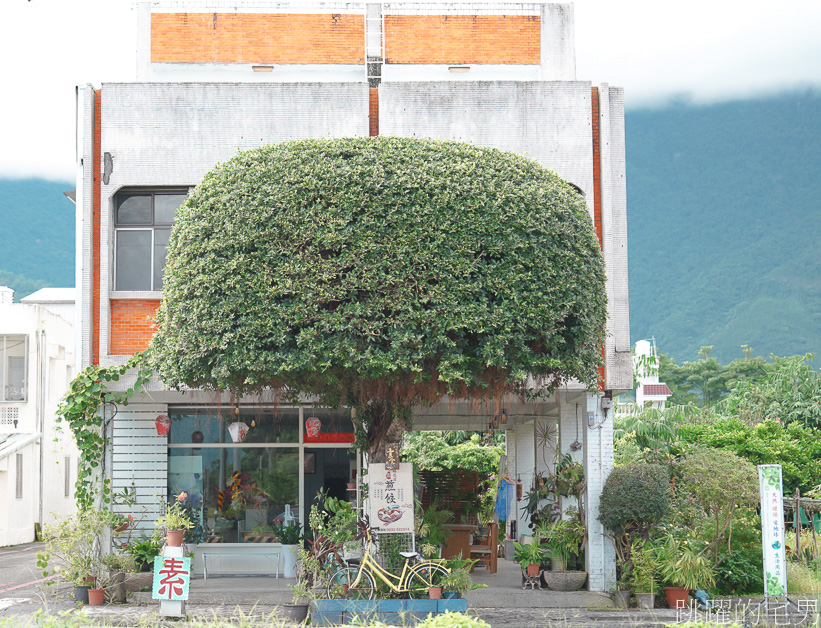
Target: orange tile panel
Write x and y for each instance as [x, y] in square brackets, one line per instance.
[257, 38]
[463, 39]
[132, 325]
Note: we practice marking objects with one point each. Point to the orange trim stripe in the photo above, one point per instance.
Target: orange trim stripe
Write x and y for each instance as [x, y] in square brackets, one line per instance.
[597, 219]
[95, 233]
[373, 111]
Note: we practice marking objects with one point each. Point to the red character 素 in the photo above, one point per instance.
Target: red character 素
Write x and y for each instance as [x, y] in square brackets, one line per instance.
[173, 578]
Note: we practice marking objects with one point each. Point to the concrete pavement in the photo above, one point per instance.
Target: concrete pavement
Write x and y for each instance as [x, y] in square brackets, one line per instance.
[254, 601]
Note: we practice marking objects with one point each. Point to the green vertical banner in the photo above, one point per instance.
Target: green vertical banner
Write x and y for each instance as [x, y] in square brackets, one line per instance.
[772, 530]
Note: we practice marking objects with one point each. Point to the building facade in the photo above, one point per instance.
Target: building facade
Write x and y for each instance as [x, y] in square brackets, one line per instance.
[38, 463]
[215, 77]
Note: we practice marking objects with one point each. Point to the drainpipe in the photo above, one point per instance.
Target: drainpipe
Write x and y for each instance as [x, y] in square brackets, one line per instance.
[41, 396]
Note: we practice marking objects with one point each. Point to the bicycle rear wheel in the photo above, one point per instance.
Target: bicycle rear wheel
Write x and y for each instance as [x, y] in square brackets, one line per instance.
[341, 585]
[423, 577]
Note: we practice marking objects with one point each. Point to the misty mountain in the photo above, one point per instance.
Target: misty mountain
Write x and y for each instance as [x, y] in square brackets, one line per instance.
[723, 227]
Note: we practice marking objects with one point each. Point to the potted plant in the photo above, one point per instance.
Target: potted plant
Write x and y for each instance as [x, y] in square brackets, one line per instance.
[643, 575]
[621, 596]
[530, 557]
[289, 536]
[307, 573]
[74, 548]
[430, 528]
[436, 580]
[176, 521]
[562, 539]
[119, 565]
[683, 569]
[143, 551]
[458, 582]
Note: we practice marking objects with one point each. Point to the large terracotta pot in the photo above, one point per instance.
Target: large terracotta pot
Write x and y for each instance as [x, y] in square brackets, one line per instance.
[96, 597]
[677, 596]
[175, 538]
[565, 580]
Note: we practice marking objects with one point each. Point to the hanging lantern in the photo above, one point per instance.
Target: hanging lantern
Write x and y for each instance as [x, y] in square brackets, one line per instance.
[163, 424]
[238, 431]
[503, 422]
[313, 426]
[197, 437]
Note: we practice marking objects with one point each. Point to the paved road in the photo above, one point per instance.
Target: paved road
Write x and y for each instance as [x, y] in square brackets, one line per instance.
[19, 574]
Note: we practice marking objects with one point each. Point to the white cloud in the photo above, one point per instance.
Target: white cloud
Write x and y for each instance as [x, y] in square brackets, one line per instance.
[709, 51]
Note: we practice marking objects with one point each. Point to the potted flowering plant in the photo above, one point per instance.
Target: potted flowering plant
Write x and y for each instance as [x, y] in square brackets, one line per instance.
[176, 520]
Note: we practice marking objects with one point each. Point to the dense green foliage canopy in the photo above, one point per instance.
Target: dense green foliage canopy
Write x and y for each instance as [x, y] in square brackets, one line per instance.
[383, 269]
[635, 497]
[430, 451]
[795, 447]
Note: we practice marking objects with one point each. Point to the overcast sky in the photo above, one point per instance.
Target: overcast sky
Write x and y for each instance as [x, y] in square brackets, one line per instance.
[700, 50]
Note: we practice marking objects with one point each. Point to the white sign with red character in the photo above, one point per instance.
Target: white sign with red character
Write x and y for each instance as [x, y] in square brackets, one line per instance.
[172, 577]
[391, 498]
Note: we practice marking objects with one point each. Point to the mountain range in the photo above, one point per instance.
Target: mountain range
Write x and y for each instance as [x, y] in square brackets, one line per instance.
[723, 227]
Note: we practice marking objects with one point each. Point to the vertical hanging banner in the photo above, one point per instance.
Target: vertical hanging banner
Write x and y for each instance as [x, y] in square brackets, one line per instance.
[390, 493]
[772, 530]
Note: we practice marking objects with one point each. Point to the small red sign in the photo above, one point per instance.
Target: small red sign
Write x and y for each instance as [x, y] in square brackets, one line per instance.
[331, 437]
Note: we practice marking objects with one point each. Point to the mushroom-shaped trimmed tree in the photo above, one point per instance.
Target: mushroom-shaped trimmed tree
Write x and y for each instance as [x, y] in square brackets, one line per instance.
[381, 273]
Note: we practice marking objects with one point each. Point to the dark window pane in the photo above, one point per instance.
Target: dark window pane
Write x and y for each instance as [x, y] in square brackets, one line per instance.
[160, 251]
[132, 260]
[166, 205]
[133, 209]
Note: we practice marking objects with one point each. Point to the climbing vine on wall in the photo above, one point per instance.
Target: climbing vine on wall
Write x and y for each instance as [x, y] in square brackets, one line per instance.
[80, 407]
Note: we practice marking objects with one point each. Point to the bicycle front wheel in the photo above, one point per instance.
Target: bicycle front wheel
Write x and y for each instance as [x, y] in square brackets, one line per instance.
[423, 577]
[341, 585]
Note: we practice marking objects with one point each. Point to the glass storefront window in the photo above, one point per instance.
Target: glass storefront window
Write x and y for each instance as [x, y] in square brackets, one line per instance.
[241, 508]
[269, 425]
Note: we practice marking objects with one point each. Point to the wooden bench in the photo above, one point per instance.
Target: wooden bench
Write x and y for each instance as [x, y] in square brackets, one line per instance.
[487, 551]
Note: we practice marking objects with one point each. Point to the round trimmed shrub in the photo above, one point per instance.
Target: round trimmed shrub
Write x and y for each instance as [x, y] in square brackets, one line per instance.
[383, 270]
[635, 497]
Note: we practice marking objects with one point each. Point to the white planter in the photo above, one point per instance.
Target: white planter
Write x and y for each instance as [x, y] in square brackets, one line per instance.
[289, 560]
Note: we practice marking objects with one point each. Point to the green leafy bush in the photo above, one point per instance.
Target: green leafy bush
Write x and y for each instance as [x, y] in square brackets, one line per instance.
[720, 481]
[453, 620]
[740, 572]
[634, 499]
[795, 447]
[380, 272]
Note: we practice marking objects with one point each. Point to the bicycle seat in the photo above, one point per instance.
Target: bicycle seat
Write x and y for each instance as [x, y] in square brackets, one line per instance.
[409, 554]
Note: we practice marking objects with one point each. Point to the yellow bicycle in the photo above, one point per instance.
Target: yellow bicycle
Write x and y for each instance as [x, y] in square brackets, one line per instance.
[359, 583]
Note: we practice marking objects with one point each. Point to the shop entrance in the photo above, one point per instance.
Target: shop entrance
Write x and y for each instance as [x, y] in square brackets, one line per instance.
[329, 469]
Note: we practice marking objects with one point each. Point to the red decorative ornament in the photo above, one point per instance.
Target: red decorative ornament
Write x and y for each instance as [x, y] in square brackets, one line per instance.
[163, 424]
[313, 426]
